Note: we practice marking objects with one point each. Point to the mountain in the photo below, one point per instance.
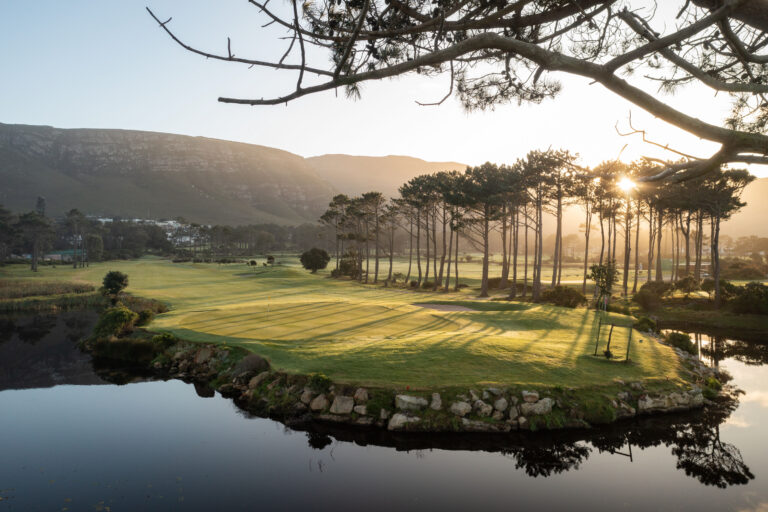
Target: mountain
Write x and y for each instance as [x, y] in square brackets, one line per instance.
[353, 175]
[751, 219]
[156, 175]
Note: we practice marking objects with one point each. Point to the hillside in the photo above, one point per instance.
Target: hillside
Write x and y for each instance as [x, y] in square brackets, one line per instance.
[354, 175]
[145, 174]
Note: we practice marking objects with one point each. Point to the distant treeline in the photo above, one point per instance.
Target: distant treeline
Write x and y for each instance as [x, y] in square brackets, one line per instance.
[76, 239]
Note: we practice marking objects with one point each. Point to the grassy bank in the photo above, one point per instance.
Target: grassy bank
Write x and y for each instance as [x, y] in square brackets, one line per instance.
[370, 335]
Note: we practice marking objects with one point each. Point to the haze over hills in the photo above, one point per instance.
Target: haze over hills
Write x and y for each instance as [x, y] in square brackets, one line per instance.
[353, 175]
[157, 175]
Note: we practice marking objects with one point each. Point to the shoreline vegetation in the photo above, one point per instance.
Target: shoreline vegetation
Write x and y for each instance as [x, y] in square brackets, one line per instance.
[604, 391]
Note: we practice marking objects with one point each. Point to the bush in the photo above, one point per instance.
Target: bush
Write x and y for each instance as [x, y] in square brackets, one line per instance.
[681, 341]
[115, 321]
[645, 324]
[318, 382]
[145, 316]
[563, 296]
[414, 283]
[114, 282]
[751, 298]
[164, 341]
[687, 285]
[427, 285]
[712, 387]
[648, 300]
[398, 276]
[658, 288]
[494, 283]
[314, 259]
[735, 268]
[727, 289]
[615, 308]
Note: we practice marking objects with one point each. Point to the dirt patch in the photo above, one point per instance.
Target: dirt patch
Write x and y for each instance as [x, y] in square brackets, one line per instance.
[445, 307]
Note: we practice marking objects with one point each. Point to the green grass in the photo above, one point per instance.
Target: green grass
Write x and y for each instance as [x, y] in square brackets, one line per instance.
[376, 336]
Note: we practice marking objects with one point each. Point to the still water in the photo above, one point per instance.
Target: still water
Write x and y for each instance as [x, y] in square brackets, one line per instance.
[71, 439]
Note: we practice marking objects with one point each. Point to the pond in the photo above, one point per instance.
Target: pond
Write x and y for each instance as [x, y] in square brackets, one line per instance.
[75, 435]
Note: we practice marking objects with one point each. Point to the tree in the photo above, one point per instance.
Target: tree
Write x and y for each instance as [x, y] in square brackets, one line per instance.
[314, 259]
[114, 282]
[35, 231]
[500, 52]
[605, 277]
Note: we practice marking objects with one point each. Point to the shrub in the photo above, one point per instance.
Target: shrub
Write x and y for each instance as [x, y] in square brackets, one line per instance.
[616, 308]
[145, 316]
[114, 282]
[115, 321]
[494, 283]
[398, 276]
[563, 296]
[318, 382]
[712, 387]
[164, 341]
[647, 299]
[314, 259]
[426, 285]
[727, 289]
[414, 283]
[645, 324]
[751, 298]
[735, 268]
[658, 288]
[681, 341]
[687, 285]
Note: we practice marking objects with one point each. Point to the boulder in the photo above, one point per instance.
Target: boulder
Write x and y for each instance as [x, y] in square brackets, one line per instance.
[460, 408]
[361, 410]
[497, 415]
[437, 402]
[513, 413]
[251, 363]
[697, 400]
[203, 355]
[342, 405]
[481, 426]
[399, 421]
[522, 423]
[306, 396]
[257, 380]
[623, 396]
[482, 408]
[410, 403]
[473, 395]
[383, 414]
[501, 404]
[494, 391]
[319, 403]
[543, 406]
[530, 396]
[637, 386]
[361, 396]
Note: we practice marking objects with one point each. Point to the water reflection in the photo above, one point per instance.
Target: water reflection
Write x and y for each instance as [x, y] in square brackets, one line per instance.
[699, 446]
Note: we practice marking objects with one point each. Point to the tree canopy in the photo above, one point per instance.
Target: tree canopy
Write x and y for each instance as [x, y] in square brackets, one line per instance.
[508, 51]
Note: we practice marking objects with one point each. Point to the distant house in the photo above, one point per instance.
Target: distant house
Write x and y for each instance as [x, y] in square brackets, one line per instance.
[63, 256]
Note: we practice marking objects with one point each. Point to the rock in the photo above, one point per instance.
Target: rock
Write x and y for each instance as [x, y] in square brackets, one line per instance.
[681, 399]
[501, 404]
[361, 410]
[648, 404]
[522, 423]
[157, 365]
[543, 406]
[620, 382]
[342, 405]
[460, 408]
[184, 366]
[299, 407]
[364, 421]
[306, 396]
[333, 418]
[513, 400]
[637, 386]
[494, 391]
[361, 396]
[497, 415]
[513, 413]
[257, 380]
[482, 408]
[399, 421]
[481, 426]
[319, 403]
[410, 403]
[179, 355]
[623, 396]
[473, 395]
[384, 414]
[486, 395]
[203, 355]
[530, 396]
[272, 385]
[251, 363]
[437, 402]
[697, 400]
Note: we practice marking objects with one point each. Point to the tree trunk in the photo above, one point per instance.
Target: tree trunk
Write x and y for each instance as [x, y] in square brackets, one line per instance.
[587, 228]
[504, 264]
[456, 260]
[637, 248]
[515, 247]
[418, 245]
[410, 251]
[439, 280]
[376, 249]
[558, 233]
[659, 230]
[448, 273]
[486, 232]
[627, 247]
[715, 243]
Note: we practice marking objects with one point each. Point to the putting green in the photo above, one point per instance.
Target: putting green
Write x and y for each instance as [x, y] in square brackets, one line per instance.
[377, 336]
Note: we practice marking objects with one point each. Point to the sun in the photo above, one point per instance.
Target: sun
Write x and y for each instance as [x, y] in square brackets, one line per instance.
[626, 184]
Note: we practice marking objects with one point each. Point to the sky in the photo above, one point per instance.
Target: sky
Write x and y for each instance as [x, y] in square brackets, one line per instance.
[106, 64]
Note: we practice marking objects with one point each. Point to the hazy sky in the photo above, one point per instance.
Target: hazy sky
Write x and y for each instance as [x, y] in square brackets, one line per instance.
[106, 64]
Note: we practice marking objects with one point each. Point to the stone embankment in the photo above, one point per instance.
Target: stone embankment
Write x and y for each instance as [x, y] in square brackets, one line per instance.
[256, 387]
